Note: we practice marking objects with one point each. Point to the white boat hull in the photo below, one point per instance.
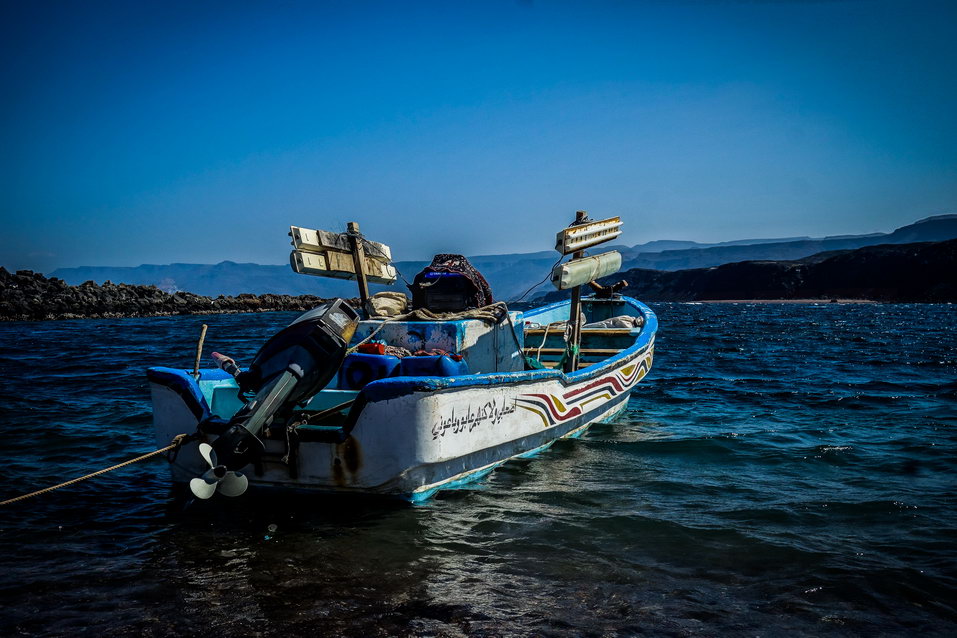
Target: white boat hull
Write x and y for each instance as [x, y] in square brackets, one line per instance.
[412, 445]
[410, 436]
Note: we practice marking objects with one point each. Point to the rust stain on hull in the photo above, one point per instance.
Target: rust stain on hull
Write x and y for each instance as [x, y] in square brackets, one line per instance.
[347, 461]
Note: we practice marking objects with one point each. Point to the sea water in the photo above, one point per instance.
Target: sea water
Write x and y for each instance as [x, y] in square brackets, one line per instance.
[783, 470]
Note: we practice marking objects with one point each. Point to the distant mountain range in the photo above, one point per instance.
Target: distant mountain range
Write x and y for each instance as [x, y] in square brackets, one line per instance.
[938, 228]
[509, 275]
[915, 272]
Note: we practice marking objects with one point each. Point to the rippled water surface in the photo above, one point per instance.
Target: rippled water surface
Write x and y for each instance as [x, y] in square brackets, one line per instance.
[784, 469]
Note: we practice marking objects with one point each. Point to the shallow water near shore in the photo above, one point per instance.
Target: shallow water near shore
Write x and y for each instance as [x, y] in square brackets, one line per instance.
[784, 469]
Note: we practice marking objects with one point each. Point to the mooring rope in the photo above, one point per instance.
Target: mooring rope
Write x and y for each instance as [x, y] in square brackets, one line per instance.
[492, 313]
[538, 355]
[178, 440]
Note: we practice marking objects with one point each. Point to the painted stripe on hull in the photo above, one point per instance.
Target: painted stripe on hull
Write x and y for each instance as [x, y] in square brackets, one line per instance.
[552, 409]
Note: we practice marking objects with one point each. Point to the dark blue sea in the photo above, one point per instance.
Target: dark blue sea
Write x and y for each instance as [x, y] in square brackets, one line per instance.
[784, 470]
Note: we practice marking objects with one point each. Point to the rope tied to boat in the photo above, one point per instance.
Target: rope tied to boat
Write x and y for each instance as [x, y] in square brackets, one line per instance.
[492, 313]
[571, 350]
[538, 354]
[177, 442]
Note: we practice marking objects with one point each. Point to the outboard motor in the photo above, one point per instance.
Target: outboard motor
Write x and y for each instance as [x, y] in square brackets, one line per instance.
[293, 365]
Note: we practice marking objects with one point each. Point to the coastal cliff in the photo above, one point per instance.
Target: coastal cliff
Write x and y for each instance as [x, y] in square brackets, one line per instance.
[918, 272]
[29, 296]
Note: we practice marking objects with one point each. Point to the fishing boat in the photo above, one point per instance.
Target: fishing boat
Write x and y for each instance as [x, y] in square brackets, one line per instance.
[409, 404]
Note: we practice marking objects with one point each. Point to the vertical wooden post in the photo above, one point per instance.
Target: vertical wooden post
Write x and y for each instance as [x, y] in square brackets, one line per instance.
[199, 351]
[574, 312]
[358, 259]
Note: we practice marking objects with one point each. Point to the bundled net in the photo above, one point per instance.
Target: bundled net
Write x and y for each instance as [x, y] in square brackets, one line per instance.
[450, 281]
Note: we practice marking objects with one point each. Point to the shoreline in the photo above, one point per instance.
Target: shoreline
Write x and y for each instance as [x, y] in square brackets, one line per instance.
[156, 315]
[250, 311]
[29, 296]
[791, 301]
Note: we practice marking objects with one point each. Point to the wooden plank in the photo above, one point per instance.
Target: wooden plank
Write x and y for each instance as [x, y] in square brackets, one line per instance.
[582, 235]
[321, 242]
[551, 365]
[611, 332]
[340, 266]
[596, 351]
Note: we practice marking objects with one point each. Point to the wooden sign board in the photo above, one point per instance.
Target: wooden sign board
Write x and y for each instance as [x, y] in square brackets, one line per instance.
[321, 241]
[340, 265]
[576, 238]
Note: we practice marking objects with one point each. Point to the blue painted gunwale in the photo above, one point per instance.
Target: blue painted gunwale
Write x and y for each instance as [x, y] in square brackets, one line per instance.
[395, 387]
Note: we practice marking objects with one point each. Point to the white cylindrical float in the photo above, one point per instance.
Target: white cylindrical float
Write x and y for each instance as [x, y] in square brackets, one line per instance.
[580, 271]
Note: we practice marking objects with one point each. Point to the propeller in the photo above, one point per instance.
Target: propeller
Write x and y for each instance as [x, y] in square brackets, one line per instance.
[228, 482]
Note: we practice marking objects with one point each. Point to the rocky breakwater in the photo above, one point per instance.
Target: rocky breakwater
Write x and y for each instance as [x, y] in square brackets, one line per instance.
[29, 296]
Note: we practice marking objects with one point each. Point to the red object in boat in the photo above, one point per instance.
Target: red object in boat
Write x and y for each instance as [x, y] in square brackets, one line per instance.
[371, 348]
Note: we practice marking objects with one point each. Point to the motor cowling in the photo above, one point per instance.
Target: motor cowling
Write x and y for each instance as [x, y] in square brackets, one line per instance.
[292, 366]
[316, 342]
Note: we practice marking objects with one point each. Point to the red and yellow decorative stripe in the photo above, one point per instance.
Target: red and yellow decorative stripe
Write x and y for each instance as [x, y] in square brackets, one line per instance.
[554, 409]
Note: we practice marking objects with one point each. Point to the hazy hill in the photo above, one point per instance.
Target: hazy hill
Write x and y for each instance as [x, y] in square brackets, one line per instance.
[939, 228]
[509, 275]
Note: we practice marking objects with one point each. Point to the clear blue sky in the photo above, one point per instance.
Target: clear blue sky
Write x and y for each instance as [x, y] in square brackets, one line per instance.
[158, 132]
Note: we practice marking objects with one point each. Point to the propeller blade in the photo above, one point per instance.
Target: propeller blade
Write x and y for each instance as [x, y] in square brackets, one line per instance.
[202, 489]
[207, 452]
[233, 484]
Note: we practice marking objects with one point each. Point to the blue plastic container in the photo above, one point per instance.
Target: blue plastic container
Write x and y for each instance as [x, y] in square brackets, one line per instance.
[359, 369]
[432, 366]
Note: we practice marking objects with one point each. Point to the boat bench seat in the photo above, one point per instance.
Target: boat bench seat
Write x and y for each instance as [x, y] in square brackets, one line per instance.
[607, 332]
[597, 344]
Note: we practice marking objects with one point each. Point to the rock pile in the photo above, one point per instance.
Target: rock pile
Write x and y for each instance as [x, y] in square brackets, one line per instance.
[29, 296]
